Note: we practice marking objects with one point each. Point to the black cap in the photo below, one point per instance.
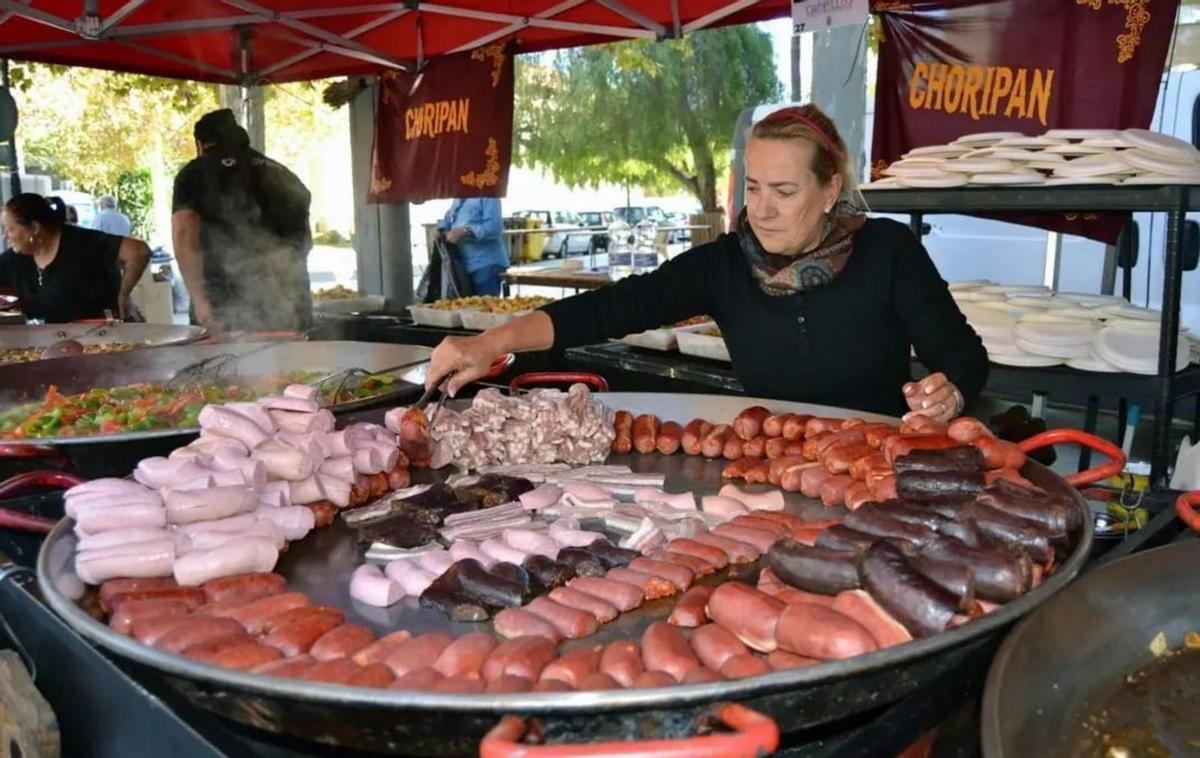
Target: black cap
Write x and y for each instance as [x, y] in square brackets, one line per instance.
[220, 128]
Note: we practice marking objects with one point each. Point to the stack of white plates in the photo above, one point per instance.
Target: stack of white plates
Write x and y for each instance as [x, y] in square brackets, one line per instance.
[1135, 348]
[970, 284]
[1058, 157]
[1062, 340]
[994, 327]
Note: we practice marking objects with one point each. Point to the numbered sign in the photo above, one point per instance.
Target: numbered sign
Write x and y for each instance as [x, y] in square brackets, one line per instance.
[818, 15]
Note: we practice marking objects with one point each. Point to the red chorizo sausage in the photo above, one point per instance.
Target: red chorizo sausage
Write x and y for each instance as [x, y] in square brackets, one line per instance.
[837, 439]
[598, 680]
[378, 650]
[794, 426]
[998, 454]
[242, 587]
[652, 587]
[463, 685]
[623, 432]
[713, 644]
[256, 614]
[624, 596]
[234, 652]
[122, 619]
[712, 555]
[571, 623]
[882, 484]
[781, 464]
[757, 447]
[833, 489]
[690, 609]
[748, 424]
[192, 597]
[701, 675]
[622, 661]
[423, 679]
[645, 433]
[898, 447]
[465, 655]
[772, 426]
[742, 666]
[603, 610]
[649, 679]
[415, 653]
[815, 631]
[757, 474]
[756, 522]
[713, 443]
[665, 649]
[573, 666]
[196, 630]
[512, 623]
[776, 448]
[285, 667]
[681, 576]
[670, 435]
[734, 447]
[861, 607]
[748, 614]
[123, 586]
[332, 671]
[521, 656]
[817, 425]
[694, 434]
[735, 550]
[782, 660]
[760, 539]
[862, 466]
[376, 675]
[509, 684]
[858, 493]
[697, 566]
[341, 642]
[966, 429]
[299, 635]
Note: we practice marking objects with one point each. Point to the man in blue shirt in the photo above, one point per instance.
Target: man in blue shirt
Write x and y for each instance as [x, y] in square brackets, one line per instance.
[474, 225]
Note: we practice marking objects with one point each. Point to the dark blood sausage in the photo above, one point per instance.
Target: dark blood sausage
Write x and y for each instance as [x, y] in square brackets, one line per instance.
[749, 422]
[907, 512]
[665, 649]
[713, 443]
[708, 553]
[670, 436]
[1055, 515]
[818, 631]
[919, 604]
[843, 538]
[623, 428]
[928, 485]
[1006, 529]
[469, 578]
[341, 642]
[521, 656]
[622, 661]
[454, 604]
[951, 508]
[814, 569]
[964, 459]
[693, 435]
[624, 596]
[581, 561]
[999, 576]
[603, 610]
[609, 555]
[748, 614]
[645, 433]
[714, 644]
[243, 587]
[689, 610]
[955, 578]
[879, 523]
[547, 572]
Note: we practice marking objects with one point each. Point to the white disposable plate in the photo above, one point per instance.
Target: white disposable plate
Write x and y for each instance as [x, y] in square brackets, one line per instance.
[1035, 143]
[983, 152]
[1156, 142]
[1075, 150]
[426, 316]
[1134, 349]
[939, 151]
[1008, 290]
[976, 295]
[1163, 179]
[1046, 162]
[1109, 143]
[1052, 316]
[1019, 154]
[1148, 162]
[978, 165]
[1080, 134]
[927, 172]
[994, 347]
[1063, 181]
[1132, 312]
[1093, 165]
[1093, 363]
[1089, 299]
[1070, 310]
[987, 137]
[929, 182]
[1023, 359]
[969, 284]
[1052, 333]
[1031, 301]
[1062, 352]
[1008, 178]
[924, 162]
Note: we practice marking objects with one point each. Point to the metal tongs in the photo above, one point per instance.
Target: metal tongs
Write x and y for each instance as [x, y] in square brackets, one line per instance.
[351, 378]
[499, 366]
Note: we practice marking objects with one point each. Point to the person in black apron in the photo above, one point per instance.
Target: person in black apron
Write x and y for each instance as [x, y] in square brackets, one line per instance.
[62, 272]
[241, 233]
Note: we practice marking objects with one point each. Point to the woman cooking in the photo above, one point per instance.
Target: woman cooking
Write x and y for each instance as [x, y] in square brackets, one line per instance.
[62, 272]
[816, 302]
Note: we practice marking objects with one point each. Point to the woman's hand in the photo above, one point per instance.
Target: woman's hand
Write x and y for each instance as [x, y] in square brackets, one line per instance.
[466, 358]
[934, 396]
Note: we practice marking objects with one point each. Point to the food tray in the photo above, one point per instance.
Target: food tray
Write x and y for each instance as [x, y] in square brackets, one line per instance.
[364, 304]
[692, 342]
[425, 316]
[482, 320]
[652, 339]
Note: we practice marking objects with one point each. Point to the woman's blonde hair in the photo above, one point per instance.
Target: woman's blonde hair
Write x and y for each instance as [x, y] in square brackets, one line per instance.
[830, 156]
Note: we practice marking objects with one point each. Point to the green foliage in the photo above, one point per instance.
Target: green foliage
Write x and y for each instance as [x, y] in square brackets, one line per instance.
[651, 114]
[331, 237]
[135, 198]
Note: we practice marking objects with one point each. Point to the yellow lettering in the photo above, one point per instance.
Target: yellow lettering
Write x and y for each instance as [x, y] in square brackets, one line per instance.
[430, 111]
[1000, 88]
[465, 113]
[1039, 94]
[916, 96]
[1017, 101]
[937, 84]
[954, 88]
[971, 90]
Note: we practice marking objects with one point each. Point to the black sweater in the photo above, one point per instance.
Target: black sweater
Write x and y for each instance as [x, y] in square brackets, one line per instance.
[845, 345]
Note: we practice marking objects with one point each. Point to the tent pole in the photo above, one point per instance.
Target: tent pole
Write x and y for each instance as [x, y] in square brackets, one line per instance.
[14, 175]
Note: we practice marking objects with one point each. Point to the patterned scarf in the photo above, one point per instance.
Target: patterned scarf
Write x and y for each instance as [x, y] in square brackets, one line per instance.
[779, 275]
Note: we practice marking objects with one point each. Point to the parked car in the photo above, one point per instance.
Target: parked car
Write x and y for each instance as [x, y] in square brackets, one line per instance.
[559, 244]
[598, 242]
[632, 214]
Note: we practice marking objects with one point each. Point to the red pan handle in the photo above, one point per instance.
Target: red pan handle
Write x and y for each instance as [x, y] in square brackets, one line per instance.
[1185, 506]
[1099, 473]
[595, 381]
[27, 522]
[26, 450]
[499, 366]
[754, 734]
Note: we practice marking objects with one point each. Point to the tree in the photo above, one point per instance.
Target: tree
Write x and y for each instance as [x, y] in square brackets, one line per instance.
[646, 113]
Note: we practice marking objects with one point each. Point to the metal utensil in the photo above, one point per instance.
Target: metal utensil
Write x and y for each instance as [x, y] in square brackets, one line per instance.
[349, 380]
[215, 366]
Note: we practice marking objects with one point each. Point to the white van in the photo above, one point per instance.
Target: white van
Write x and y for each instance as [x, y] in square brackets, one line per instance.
[966, 247]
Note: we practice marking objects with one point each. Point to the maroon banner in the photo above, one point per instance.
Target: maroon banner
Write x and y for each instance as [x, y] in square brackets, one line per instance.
[446, 131]
[948, 68]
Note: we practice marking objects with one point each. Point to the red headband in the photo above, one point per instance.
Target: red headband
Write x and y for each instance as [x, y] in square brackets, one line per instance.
[795, 115]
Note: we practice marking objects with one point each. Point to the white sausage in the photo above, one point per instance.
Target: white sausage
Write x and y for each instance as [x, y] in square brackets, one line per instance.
[255, 413]
[295, 521]
[435, 561]
[275, 494]
[302, 391]
[160, 472]
[339, 468]
[137, 560]
[336, 491]
[189, 506]
[226, 423]
[117, 537]
[284, 462]
[412, 578]
[302, 423]
[501, 552]
[245, 556]
[73, 506]
[334, 444]
[306, 491]
[723, 506]
[95, 520]
[684, 501]
[232, 524]
[461, 550]
[285, 403]
[530, 541]
[369, 585]
[542, 497]
[771, 500]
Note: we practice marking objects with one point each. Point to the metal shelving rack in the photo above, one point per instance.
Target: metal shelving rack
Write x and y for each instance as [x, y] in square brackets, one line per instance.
[1173, 200]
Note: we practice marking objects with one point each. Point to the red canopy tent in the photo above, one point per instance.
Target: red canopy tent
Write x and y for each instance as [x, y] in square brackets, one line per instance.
[270, 41]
